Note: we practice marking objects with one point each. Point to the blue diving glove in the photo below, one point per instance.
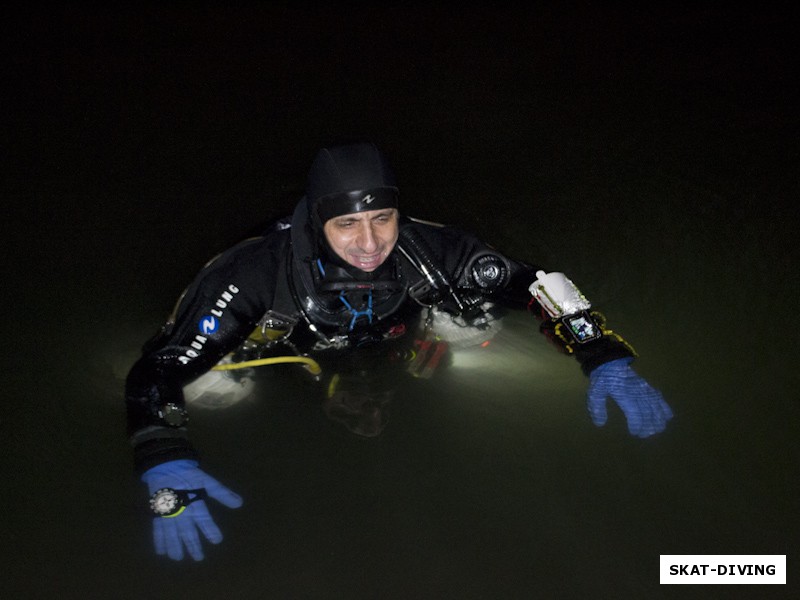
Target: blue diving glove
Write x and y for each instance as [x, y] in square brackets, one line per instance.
[172, 533]
[643, 405]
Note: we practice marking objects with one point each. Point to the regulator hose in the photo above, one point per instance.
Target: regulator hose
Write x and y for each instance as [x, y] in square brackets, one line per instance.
[414, 247]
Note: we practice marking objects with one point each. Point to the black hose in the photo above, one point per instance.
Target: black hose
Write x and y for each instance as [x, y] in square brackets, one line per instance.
[419, 249]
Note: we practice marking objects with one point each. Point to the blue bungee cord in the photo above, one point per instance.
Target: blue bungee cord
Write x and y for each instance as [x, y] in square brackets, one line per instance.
[356, 313]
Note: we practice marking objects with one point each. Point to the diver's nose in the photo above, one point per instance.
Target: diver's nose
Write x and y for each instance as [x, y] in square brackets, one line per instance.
[367, 241]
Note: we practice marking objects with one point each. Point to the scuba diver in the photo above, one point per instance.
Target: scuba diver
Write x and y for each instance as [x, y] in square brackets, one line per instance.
[354, 284]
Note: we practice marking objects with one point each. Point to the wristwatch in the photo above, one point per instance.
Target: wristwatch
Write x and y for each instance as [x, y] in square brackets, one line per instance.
[173, 415]
[168, 502]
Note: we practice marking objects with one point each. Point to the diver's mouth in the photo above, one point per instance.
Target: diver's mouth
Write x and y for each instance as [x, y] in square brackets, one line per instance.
[368, 262]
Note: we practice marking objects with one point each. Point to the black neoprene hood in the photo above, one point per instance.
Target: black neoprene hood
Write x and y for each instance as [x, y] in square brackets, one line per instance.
[347, 179]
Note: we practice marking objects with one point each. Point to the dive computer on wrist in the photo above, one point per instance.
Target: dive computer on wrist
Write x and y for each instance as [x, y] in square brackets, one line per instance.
[582, 327]
[173, 415]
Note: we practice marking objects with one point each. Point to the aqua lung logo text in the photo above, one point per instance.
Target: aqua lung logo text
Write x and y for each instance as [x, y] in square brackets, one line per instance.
[209, 324]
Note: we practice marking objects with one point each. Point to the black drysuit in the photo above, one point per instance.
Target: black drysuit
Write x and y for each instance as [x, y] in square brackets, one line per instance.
[285, 275]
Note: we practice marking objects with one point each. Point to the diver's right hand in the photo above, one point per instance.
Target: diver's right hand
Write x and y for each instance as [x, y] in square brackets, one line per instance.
[172, 533]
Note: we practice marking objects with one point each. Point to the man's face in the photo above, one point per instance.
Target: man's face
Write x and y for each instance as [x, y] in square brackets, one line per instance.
[363, 239]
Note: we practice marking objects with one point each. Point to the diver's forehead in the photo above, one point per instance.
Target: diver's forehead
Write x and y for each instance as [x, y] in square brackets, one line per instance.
[365, 215]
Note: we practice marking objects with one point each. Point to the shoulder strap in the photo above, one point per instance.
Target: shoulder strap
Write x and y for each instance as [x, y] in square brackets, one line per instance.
[284, 313]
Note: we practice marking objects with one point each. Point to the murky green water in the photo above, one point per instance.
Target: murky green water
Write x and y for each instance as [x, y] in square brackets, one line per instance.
[654, 168]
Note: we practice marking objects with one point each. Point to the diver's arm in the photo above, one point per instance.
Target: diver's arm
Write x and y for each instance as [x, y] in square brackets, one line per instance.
[215, 315]
[478, 273]
[569, 320]
[605, 357]
[515, 293]
[154, 392]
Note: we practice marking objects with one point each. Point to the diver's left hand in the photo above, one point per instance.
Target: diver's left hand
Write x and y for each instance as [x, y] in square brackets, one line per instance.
[644, 407]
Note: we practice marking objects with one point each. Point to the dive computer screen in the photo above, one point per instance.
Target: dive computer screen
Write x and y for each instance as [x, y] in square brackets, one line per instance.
[582, 327]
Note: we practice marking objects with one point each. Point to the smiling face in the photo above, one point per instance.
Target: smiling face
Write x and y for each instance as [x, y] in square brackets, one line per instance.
[363, 239]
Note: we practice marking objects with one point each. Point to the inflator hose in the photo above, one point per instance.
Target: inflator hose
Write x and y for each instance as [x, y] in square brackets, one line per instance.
[310, 364]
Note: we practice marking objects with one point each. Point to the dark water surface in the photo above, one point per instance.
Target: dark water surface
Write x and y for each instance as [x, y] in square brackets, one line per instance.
[652, 156]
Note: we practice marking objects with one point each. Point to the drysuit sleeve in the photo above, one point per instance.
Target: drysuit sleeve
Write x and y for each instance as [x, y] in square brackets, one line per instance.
[481, 271]
[214, 316]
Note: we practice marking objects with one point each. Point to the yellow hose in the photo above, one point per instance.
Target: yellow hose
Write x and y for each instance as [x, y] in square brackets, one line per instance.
[310, 363]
